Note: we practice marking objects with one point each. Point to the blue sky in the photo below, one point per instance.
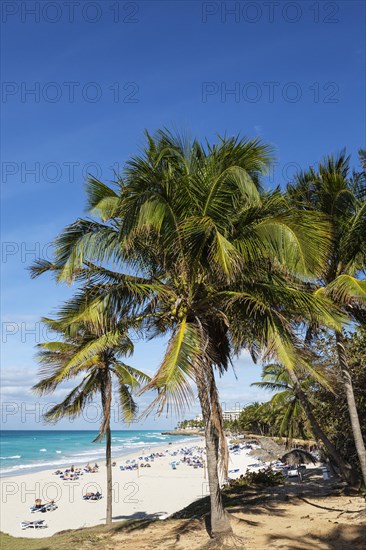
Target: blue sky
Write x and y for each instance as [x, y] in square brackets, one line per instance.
[81, 82]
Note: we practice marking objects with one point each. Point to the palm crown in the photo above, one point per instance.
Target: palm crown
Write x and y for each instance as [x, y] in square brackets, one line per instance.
[94, 355]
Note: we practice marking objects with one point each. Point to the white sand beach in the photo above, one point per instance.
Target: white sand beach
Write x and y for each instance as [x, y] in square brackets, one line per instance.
[157, 491]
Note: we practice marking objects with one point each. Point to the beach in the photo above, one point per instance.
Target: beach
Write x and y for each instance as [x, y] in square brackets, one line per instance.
[149, 492]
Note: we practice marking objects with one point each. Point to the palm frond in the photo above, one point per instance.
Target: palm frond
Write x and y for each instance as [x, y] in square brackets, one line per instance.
[172, 379]
[75, 401]
[127, 403]
[346, 290]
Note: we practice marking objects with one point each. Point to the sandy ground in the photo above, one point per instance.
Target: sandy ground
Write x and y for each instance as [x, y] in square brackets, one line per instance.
[327, 523]
[152, 492]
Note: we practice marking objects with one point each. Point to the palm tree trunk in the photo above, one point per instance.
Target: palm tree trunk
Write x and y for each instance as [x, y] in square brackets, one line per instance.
[106, 387]
[219, 526]
[344, 467]
[109, 476]
[351, 402]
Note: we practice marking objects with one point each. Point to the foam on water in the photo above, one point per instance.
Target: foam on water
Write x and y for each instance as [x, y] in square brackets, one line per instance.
[23, 448]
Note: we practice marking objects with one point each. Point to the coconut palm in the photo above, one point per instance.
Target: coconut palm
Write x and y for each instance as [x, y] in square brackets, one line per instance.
[92, 354]
[201, 254]
[334, 191]
[287, 414]
[293, 405]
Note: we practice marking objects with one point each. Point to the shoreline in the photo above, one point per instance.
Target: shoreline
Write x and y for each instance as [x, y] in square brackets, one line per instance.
[92, 456]
[155, 492]
[185, 433]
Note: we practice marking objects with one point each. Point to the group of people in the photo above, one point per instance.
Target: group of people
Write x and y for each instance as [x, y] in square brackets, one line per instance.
[72, 473]
[191, 456]
[91, 469]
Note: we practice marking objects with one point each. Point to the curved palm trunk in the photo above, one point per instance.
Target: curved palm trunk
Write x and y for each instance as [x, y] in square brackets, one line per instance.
[106, 428]
[220, 523]
[351, 402]
[345, 468]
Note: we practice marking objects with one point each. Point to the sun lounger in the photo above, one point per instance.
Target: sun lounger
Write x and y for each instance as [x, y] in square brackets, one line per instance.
[92, 496]
[40, 524]
[49, 507]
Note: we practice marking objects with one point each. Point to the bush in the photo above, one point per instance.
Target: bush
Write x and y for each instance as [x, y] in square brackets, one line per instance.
[266, 478]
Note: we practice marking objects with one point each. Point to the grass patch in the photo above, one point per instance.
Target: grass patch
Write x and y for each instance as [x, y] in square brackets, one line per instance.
[82, 538]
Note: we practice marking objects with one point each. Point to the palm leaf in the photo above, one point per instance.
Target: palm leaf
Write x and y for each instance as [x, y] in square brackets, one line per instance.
[346, 289]
[75, 401]
[172, 378]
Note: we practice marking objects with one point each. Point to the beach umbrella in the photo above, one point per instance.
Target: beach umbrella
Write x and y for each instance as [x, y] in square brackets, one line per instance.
[297, 457]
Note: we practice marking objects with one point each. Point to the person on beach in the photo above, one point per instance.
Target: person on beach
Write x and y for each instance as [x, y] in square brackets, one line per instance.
[92, 496]
[38, 504]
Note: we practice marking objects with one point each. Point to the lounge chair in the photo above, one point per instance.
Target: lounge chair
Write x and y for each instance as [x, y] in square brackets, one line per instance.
[39, 524]
[48, 507]
[92, 496]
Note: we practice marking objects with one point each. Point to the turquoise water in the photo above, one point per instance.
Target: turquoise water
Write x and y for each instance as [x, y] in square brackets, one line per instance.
[25, 451]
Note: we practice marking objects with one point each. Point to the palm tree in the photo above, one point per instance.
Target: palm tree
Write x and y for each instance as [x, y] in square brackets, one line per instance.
[284, 408]
[92, 352]
[292, 404]
[334, 191]
[251, 420]
[203, 255]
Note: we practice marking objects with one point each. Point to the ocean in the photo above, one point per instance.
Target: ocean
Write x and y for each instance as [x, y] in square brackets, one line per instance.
[24, 451]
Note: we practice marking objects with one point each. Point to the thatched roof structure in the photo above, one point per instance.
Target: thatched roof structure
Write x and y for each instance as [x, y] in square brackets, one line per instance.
[297, 457]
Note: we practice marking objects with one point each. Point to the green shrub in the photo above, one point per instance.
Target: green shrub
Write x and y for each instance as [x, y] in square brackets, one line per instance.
[265, 477]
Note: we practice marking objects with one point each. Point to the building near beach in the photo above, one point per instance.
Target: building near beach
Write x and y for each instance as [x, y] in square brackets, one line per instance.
[231, 415]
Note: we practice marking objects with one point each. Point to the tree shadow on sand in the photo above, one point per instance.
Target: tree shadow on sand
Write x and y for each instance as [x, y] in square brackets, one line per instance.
[141, 515]
[135, 522]
[342, 537]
